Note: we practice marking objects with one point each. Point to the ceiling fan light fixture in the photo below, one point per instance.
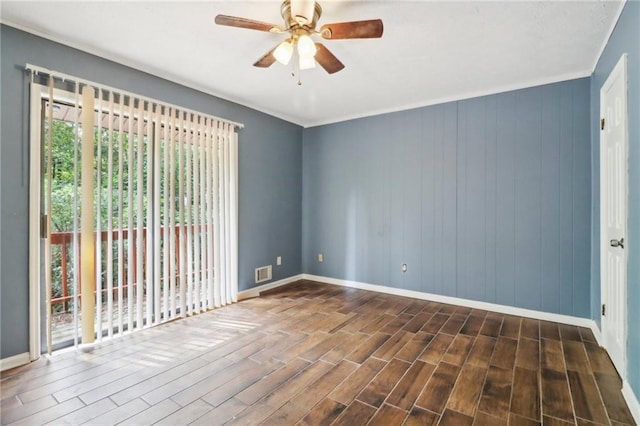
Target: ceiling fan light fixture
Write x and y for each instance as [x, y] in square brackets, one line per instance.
[283, 52]
[301, 23]
[302, 11]
[306, 47]
[307, 62]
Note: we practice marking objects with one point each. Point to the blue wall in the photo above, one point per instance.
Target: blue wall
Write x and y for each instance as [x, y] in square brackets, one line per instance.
[493, 199]
[486, 199]
[625, 39]
[270, 167]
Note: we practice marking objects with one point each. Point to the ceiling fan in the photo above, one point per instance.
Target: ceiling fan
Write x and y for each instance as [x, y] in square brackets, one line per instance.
[300, 20]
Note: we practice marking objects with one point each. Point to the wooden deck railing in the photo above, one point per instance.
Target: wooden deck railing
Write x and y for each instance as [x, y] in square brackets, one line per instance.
[65, 241]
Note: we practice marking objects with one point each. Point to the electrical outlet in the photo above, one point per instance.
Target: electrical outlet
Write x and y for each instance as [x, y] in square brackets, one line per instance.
[279, 260]
[320, 257]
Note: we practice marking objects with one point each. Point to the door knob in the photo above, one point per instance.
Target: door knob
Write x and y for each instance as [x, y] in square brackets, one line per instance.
[617, 243]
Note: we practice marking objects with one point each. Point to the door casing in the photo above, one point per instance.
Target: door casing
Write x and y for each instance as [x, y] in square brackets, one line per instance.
[609, 324]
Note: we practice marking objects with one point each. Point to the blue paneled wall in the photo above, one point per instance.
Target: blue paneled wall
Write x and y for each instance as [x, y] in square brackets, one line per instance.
[486, 199]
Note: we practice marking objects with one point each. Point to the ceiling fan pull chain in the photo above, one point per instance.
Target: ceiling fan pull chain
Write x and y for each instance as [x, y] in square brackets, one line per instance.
[296, 69]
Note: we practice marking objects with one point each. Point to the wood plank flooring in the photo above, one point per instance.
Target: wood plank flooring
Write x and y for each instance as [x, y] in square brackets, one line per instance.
[315, 354]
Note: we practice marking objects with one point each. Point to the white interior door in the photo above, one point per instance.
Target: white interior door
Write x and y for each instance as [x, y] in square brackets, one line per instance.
[613, 212]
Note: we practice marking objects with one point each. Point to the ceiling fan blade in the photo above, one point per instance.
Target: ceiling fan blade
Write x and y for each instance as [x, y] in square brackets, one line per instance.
[357, 29]
[267, 60]
[250, 24]
[327, 60]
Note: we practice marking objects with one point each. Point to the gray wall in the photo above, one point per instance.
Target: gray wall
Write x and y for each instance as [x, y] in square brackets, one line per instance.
[486, 199]
[270, 167]
[625, 39]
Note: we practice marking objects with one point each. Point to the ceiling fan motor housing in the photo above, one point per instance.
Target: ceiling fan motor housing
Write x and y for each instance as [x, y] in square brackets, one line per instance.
[293, 24]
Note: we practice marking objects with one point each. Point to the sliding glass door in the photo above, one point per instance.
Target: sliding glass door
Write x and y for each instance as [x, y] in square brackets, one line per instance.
[138, 211]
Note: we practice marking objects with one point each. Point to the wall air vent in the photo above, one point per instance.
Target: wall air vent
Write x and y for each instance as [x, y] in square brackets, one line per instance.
[263, 274]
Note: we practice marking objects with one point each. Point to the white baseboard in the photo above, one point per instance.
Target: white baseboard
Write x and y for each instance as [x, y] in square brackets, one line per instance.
[503, 309]
[596, 333]
[255, 291]
[14, 361]
[632, 400]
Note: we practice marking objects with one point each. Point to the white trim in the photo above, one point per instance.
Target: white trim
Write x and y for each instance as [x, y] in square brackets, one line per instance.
[596, 332]
[286, 117]
[135, 65]
[140, 67]
[14, 361]
[632, 400]
[459, 97]
[619, 70]
[609, 34]
[503, 309]
[255, 291]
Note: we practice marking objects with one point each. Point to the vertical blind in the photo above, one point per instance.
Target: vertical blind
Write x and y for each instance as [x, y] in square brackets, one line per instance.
[154, 207]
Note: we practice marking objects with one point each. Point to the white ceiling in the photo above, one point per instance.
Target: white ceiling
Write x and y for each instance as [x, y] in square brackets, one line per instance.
[430, 51]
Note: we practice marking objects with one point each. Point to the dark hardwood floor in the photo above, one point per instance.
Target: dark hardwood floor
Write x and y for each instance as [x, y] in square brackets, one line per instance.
[315, 354]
